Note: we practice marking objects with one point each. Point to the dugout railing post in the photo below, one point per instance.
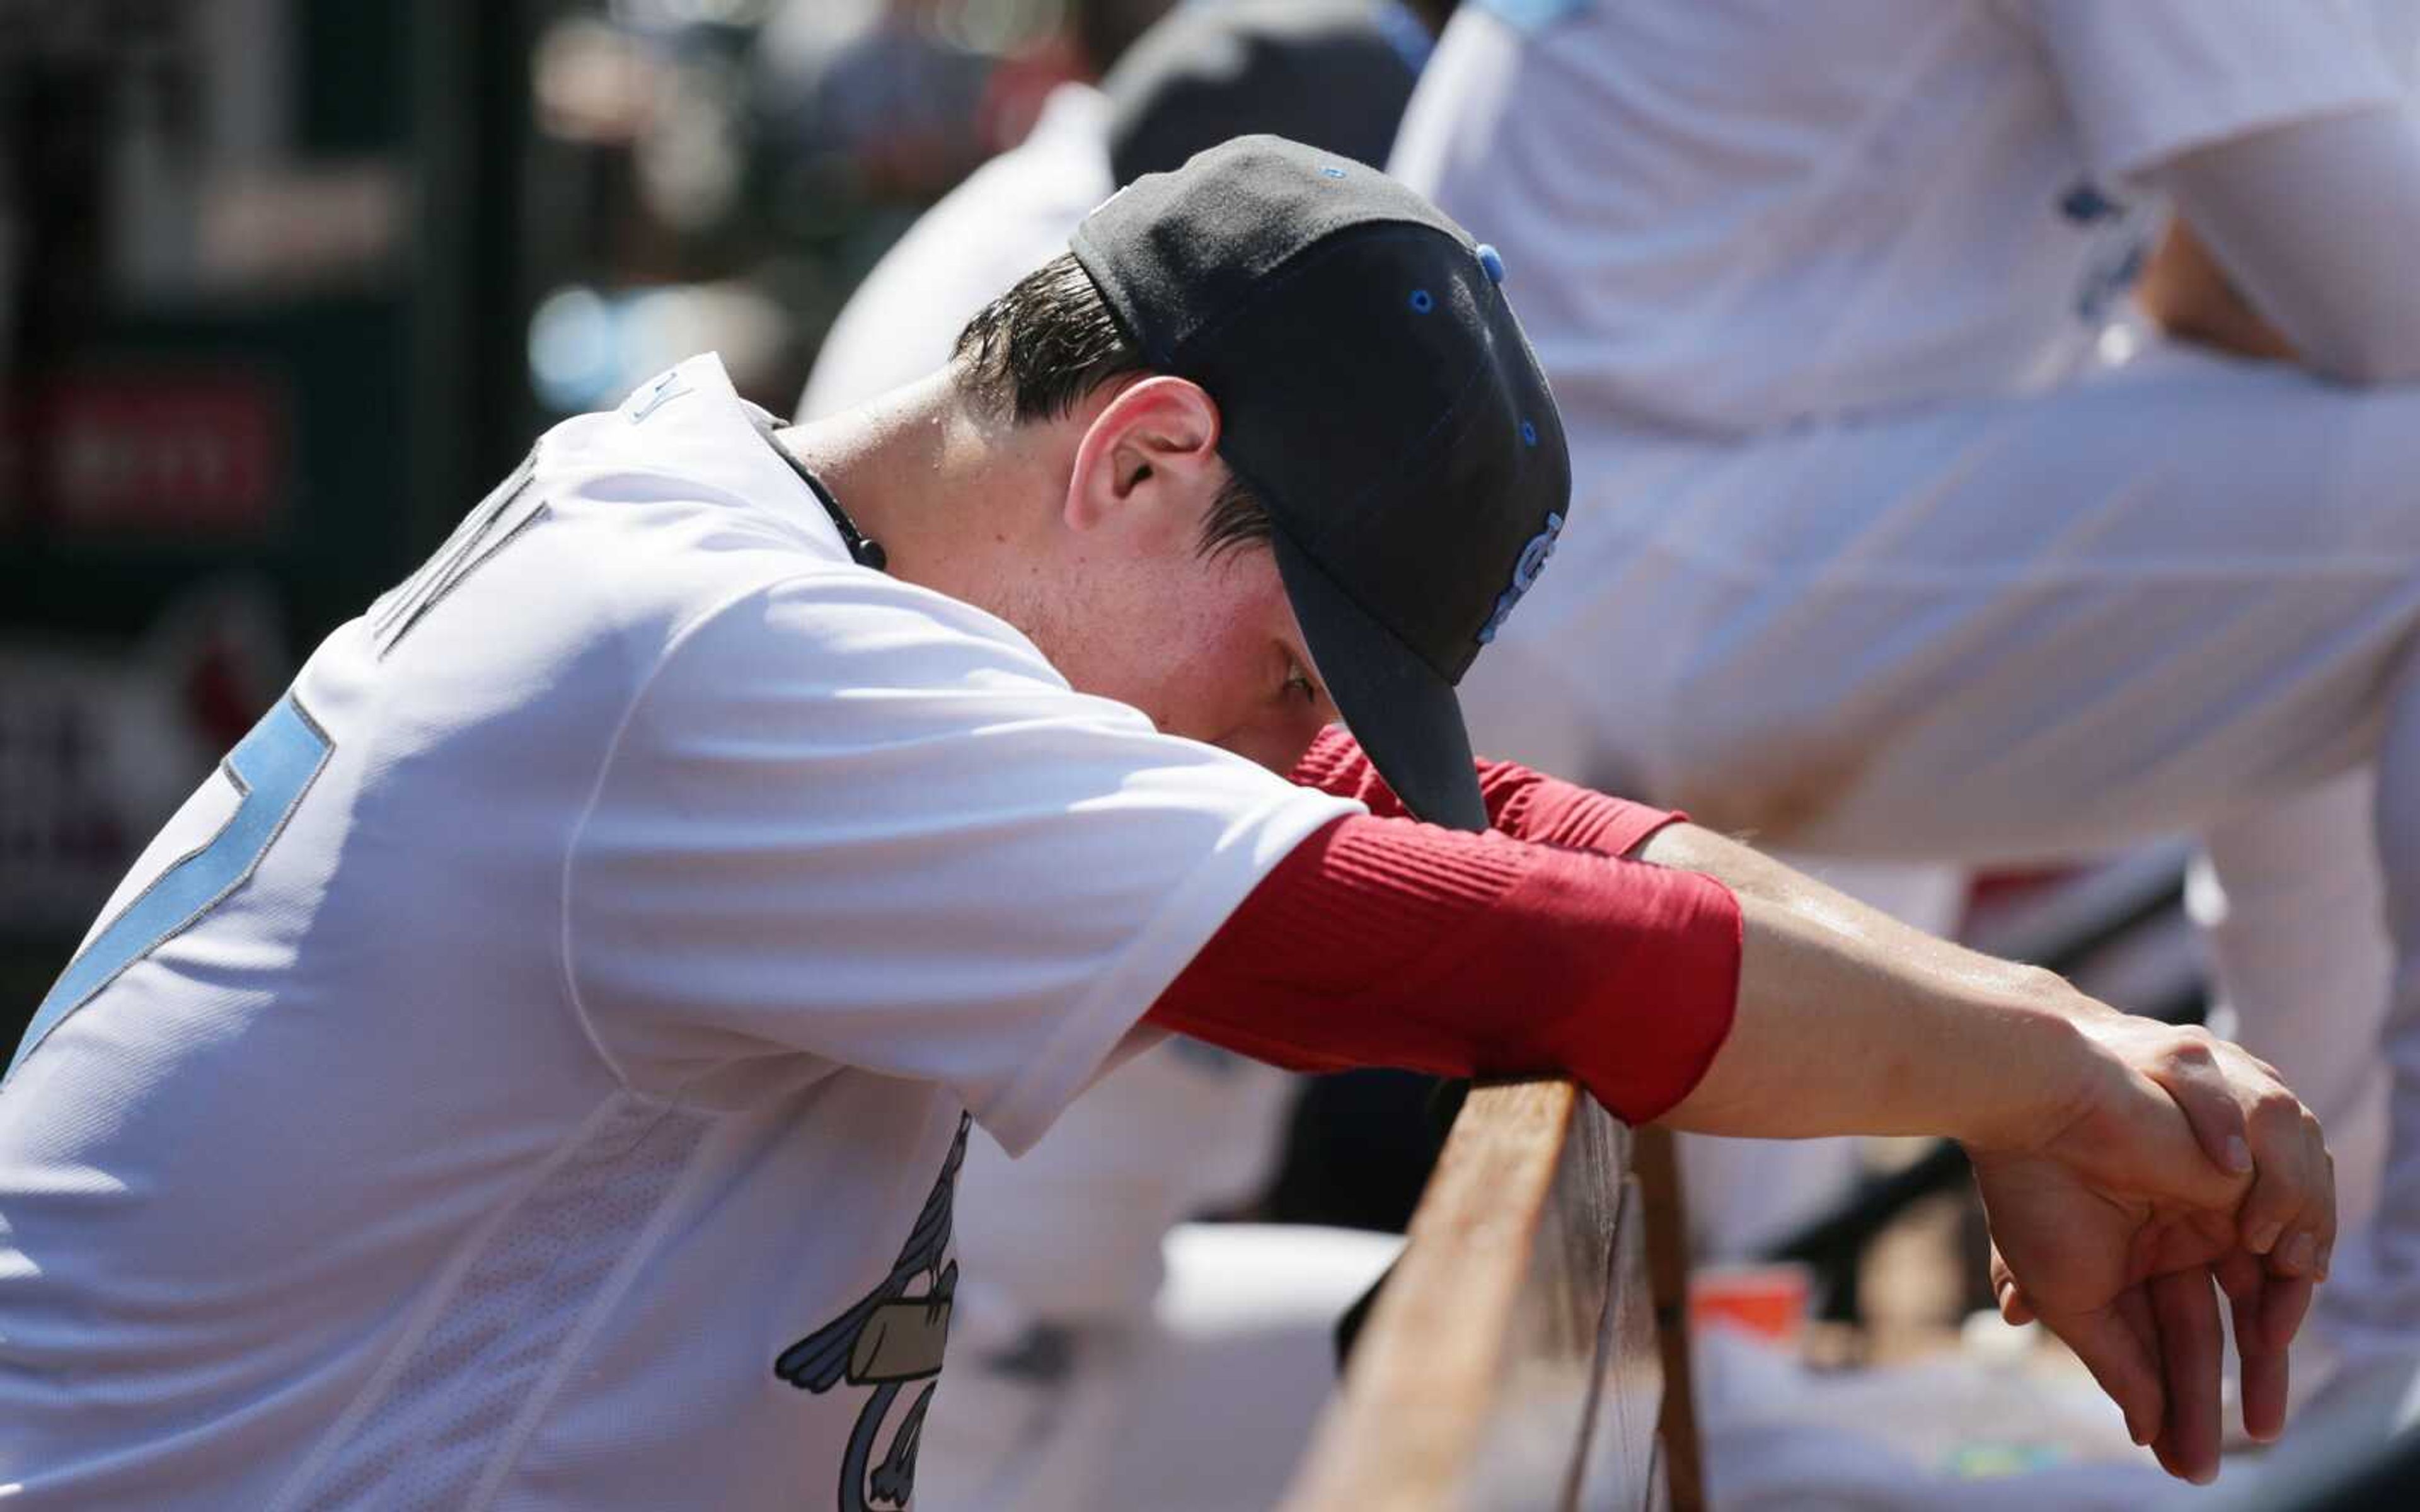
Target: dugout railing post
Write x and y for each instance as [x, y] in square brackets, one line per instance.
[1512, 1358]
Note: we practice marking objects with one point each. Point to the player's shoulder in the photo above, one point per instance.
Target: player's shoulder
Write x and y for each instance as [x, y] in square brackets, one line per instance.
[849, 635]
[684, 436]
[691, 514]
[679, 497]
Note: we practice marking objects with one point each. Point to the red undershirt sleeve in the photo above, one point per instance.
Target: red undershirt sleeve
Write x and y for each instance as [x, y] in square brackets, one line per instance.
[1522, 803]
[1383, 941]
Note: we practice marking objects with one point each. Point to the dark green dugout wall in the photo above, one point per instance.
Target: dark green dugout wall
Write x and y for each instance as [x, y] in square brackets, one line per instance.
[166, 426]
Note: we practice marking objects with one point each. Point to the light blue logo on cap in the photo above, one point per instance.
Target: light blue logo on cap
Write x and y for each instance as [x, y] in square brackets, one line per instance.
[1524, 572]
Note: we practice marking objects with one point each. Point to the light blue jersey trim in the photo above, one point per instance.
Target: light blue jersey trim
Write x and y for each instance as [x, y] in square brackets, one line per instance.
[272, 767]
[1532, 15]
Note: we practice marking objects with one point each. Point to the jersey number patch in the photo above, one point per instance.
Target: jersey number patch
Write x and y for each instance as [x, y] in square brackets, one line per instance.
[271, 767]
[495, 524]
[1528, 16]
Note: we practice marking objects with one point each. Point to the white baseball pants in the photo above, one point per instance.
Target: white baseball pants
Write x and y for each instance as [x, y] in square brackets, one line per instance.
[2177, 596]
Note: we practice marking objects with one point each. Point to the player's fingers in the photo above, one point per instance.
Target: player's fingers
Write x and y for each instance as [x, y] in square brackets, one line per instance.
[2285, 1300]
[2014, 1308]
[2185, 1310]
[2190, 1072]
[2120, 1345]
[2134, 1307]
[2263, 1358]
[2320, 1216]
[2328, 1235]
[2293, 1197]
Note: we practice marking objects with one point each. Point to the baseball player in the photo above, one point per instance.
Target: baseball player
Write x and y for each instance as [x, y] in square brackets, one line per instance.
[1056, 1324]
[1875, 555]
[534, 1070]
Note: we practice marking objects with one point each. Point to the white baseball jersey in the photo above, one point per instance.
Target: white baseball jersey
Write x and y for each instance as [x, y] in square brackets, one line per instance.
[1727, 215]
[533, 1071]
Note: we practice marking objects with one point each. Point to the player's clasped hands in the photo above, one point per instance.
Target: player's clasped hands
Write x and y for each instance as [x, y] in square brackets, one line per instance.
[2184, 1162]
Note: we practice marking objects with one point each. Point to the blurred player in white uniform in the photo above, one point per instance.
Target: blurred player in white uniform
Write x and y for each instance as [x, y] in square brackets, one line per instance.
[1872, 559]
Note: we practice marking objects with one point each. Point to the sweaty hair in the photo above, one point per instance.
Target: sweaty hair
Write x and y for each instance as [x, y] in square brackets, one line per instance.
[1034, 354]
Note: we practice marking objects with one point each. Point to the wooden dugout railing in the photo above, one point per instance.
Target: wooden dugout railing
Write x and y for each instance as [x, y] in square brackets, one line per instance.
[1513, 1360]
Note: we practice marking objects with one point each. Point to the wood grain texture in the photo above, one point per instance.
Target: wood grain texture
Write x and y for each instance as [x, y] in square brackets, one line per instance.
[1666, 1224]
[1511, 1360]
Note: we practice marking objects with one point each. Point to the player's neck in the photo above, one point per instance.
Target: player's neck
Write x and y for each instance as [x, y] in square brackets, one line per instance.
[947, 492]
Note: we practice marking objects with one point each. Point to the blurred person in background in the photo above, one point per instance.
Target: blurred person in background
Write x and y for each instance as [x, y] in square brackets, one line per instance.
[719, 176]
[1070, 1388]
[1334, 74]
[1879, 556]
[909, 96]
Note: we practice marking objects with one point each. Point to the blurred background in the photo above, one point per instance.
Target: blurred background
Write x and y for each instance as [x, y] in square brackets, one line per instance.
[285, 285]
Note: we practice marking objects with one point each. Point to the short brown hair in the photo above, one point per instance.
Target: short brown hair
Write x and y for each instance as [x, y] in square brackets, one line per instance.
[1034, 354]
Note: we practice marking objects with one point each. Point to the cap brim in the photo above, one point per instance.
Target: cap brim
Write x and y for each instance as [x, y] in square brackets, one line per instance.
[1404, 714]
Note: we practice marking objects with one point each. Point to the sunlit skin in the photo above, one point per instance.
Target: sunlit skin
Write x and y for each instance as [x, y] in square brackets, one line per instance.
[1084, 531]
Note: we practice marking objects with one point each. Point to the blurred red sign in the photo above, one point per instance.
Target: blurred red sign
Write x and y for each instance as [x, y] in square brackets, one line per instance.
[155, 454]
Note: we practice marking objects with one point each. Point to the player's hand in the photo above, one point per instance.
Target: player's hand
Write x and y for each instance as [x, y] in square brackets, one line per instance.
[2185, 1163]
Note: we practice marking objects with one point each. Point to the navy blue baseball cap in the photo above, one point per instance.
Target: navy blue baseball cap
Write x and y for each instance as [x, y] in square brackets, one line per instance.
[1377, 393]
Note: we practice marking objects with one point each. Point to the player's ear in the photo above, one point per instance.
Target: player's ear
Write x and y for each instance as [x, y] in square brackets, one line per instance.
[1149, 460]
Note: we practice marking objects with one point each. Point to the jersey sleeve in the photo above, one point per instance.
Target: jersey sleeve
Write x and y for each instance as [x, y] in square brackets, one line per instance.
[851, 822]
[2148, 79]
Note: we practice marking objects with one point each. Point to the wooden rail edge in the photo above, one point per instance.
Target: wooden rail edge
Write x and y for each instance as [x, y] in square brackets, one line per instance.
[1511, 1360]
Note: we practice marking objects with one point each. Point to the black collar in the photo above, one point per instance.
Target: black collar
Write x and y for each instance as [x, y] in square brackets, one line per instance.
[862, 548]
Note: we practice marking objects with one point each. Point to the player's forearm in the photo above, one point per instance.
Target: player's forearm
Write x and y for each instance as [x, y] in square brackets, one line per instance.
[1849, 1021]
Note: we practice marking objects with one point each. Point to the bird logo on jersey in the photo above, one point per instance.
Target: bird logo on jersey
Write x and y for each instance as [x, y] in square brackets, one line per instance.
[888, 1341]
